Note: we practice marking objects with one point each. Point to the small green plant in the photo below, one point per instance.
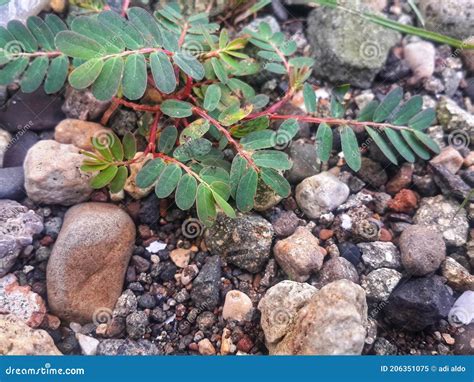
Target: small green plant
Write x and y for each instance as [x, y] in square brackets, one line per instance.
[209, 132]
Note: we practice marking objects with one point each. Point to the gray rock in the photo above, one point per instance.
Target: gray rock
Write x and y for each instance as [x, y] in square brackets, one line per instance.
[17, 227]
[244, 241]
[53, 175]
[279, 307]
[11, 183]
[450, 184]
[452, 17]
[270, 20]
[285, 223]
[332, 323]
[305, 161]
[205, 292]
[456, 121]
[136, 324]
[446, 217]
[382, 346]
[299, 255]
[127, 347]
[458, 277]
[347, 48]
[418, 303]
[320, 194]
[379, 283]
[52, 226]
[372, 173]
[464, 344]
[334, 269]
[422, 250]
[21, 142]
[265, 198]
[380, 254]
[81, 104]
[126, 304]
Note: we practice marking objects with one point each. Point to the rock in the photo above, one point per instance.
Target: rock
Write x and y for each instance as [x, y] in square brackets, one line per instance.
[136, 324]
[332, 322]
[457, 122]
[205, 292]
[81, 104]
[350, 252]
[450, 158]
[299, 255]
[270, 20]
[126, 304]
[372, 173]
[237, 306]
[5, 139]
[80, 133]
[226, 342]
[17, 338]
[92, 250]
[265, 198]
[35, 111]
[347, 48]
[127, 347]
[20, 10]
[458, 277]
[58, 6]
[404, 201]
[206, 348]
[279, 307]
[11, 183]
[418, 303]
[130, 186]
[181, 257]
[446, 217]
[285, 223]
[88, 344]
[19, 146]
[382, 346]
[189, 273]
[17, 227]
[21, 301]
[451, 17]
[464, 344]
[420, 56]
[380, 254]
[334, 269]
[462, 312]
[422, 250]
[450, 184]
[53, 175]
[320, 194]
[379, 283]
[305, 161]
[244, 241]
[402, 179]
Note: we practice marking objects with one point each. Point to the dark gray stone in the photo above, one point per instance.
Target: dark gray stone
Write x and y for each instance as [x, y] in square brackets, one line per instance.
[11, 183]
[305, 161]
[205, 292]
[19, 146]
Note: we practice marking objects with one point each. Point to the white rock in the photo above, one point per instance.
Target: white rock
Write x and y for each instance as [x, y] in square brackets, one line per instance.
[88, 344]
[462, 312]
[5, 139]
[20, 10]
[53, 175]
[156, 246]
[237, 306]
[420, 57]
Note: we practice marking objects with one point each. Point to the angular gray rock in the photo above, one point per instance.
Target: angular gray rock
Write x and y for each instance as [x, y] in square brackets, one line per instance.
[379, 283]
[334, 269]
[18, 224]
[127, 347]
[305, 161]
[380, 254]
[11, 183]
[205, 292]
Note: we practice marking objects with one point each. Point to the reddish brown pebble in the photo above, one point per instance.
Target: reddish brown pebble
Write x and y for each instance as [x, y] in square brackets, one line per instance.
[385, 235]
[99, 196]
[405, 201]
[144, 231]
[325, 234]
[46, 241]
[401, 179]
[193, 346]
[245, 344]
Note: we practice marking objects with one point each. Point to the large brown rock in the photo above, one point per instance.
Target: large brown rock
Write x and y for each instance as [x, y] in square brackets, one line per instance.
[87, 265]
[80, 133]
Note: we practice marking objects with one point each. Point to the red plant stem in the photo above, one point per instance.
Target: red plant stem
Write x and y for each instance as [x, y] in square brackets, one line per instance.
[224, 131]
[273, 108]
[108, 113]
[187, 89]
[182, 165]
[137, 106]
[183, 34]
[125, 5]
[152, 137]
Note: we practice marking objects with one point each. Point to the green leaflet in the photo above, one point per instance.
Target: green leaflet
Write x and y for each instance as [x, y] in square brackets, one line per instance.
[192, 149]
[238, 167]
[167, 139]
[388, 105]
[132, 38]
[380, 142]
[176, 109]
[246, 190]
[163, 73]
[415, 144]
[134, 76]
[104, 177]
[309, 96]
[34, 75]
[219, 70]
[186, 192]
[194, 130]
[129, 145]
[276, 182]
[222, 203]
[324, 139]
[423, 119]
[55, 23]
[85, 75]
[118, 182]
[23, 35]
[206, 209]
[277, 160]
[57, 74]
[189, 65]
[212, 97]
[90, 26]
[41, 32]
[146, 24]
[257, 140]
[400, 145]
[108, 82]
[168, 180]
[367, 113]
[427, 141]
[149, 173]
[350, 148]
[408, 110]
[75, 45]
[214, 174]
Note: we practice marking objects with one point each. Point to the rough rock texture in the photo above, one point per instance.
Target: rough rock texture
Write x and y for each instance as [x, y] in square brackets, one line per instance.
[446, 217]
[372, 173]
[320, 194]
[464, 344]
[265, 198]
[456, 121]
[87, 265]
[17, 227]
[81, 104]
[244, 241]
[299, 255]
[80, 133]
[17, 338]
[422, 250]
[418, 302]
[450, 158]
[53, 175]
[334, 269]
[347, 48]
[332, 322]
[127, 347]
[205, 292]
[237, 306]
[130, 186]
[279, 307]
[379, 283]
[458, 277]
[21, 301]
[305, 161]
[11, 183]
[420, 56]
[380, 254]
